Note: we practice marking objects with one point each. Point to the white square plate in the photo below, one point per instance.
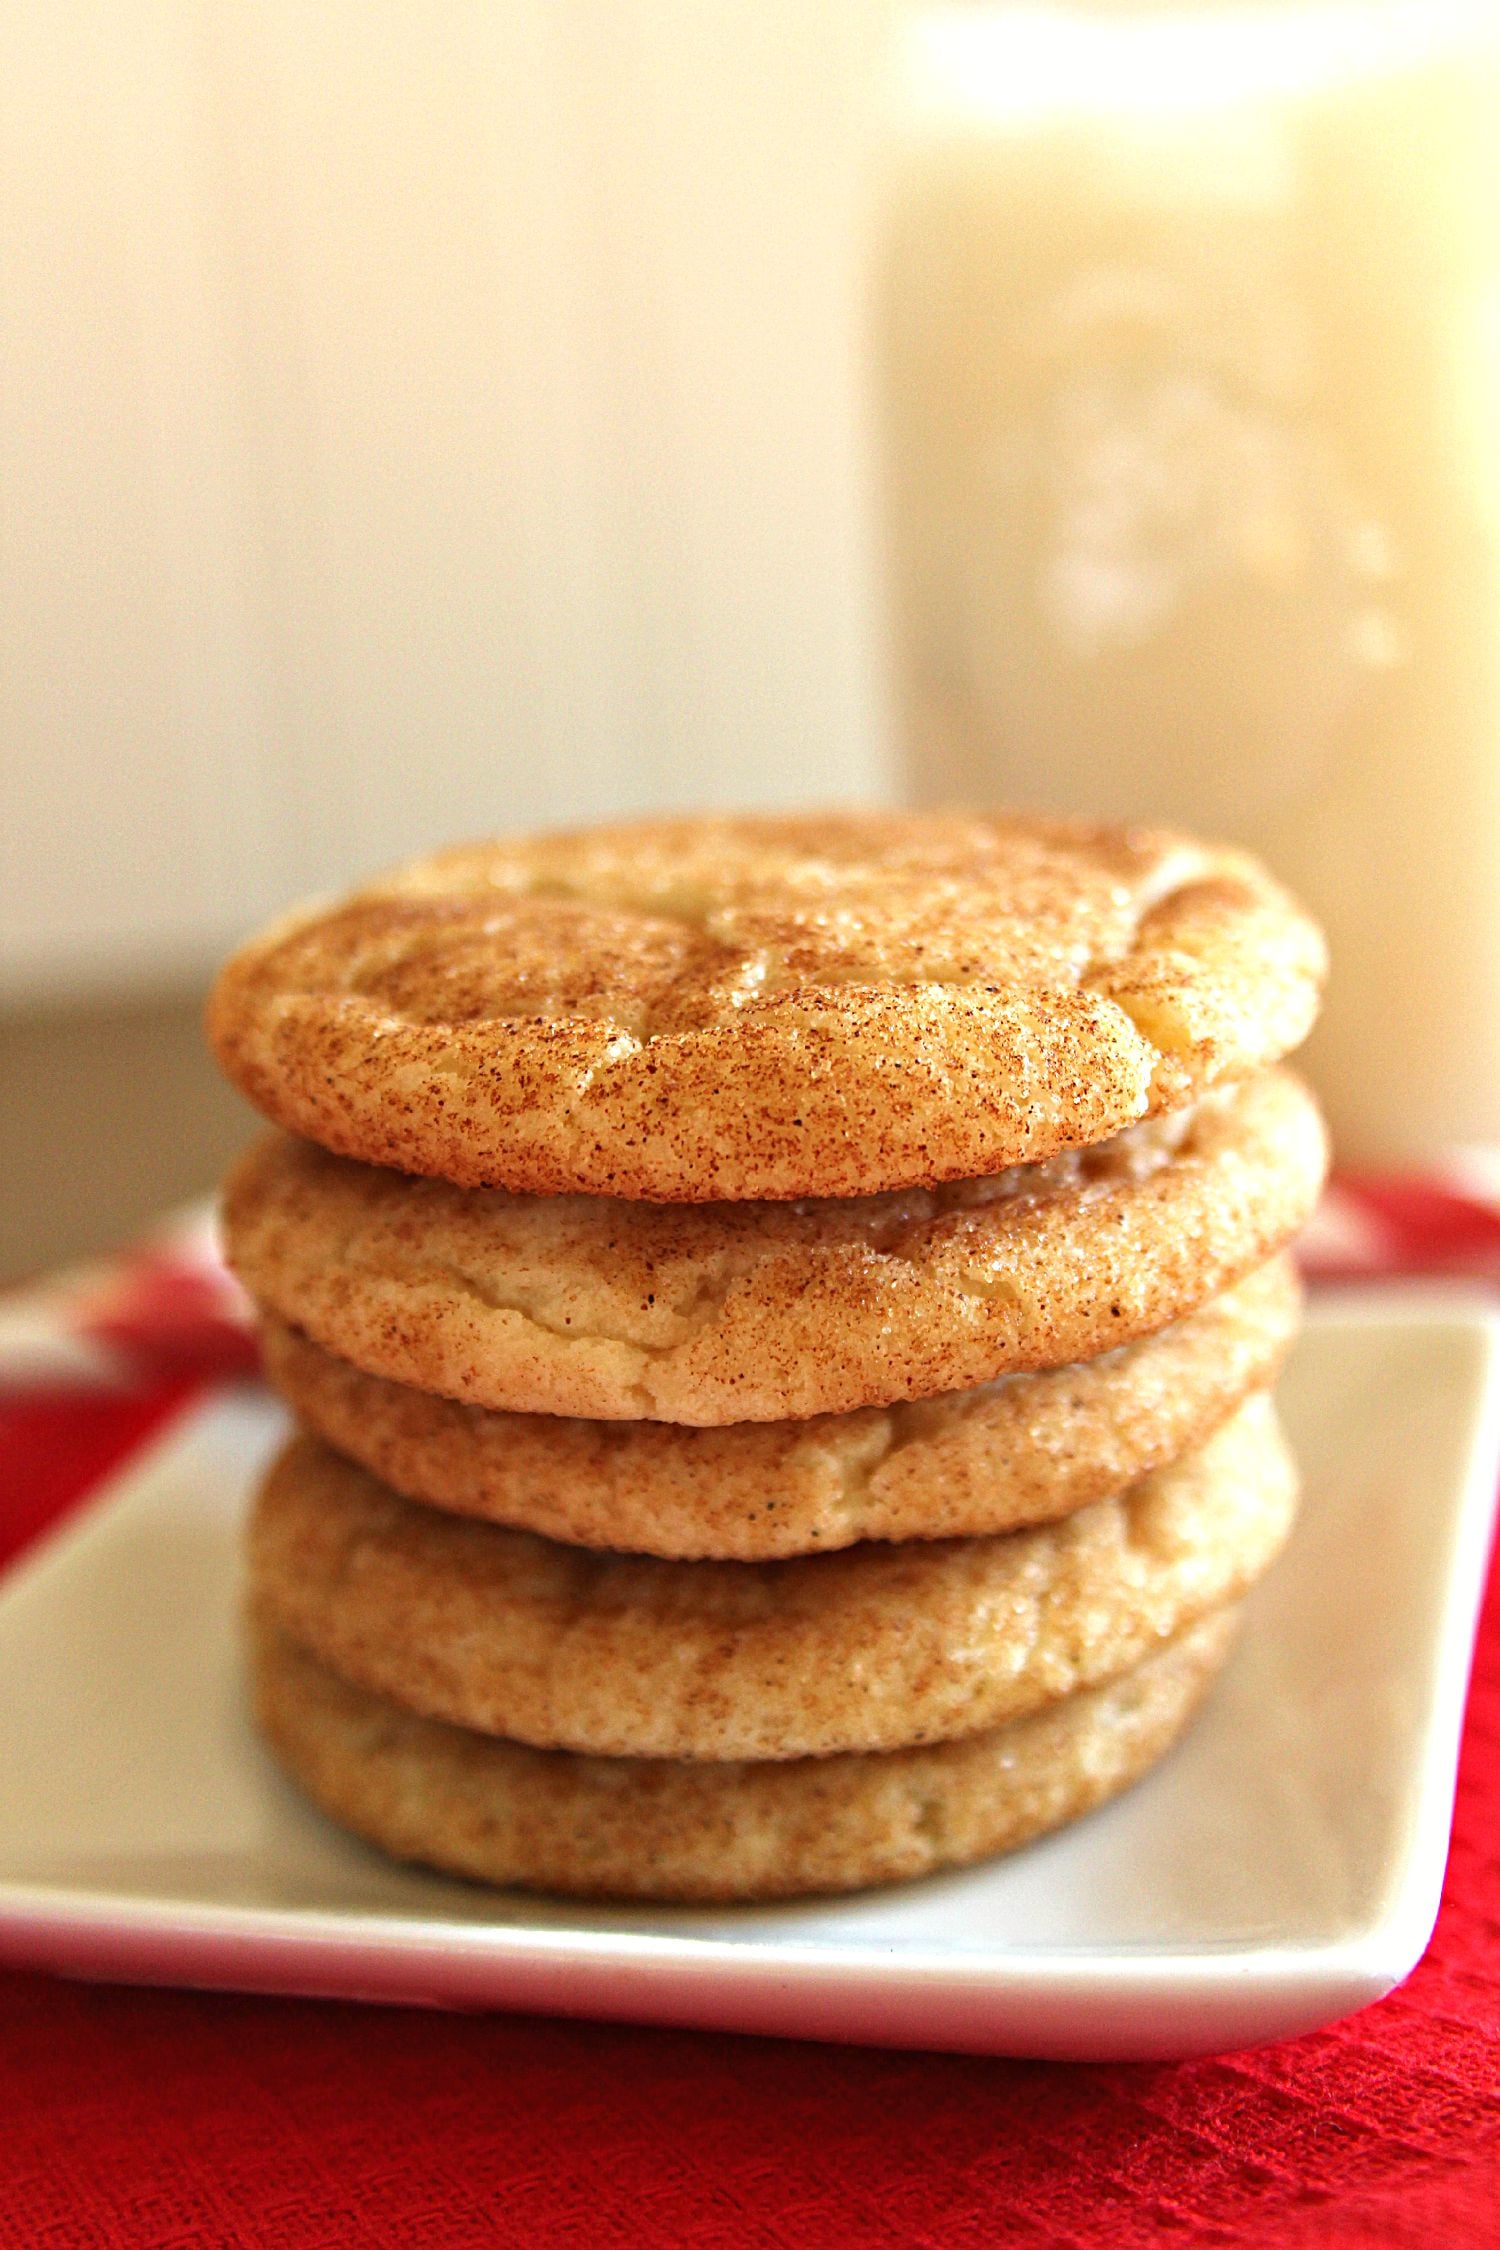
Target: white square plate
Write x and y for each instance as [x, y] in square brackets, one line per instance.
[1280, 1869]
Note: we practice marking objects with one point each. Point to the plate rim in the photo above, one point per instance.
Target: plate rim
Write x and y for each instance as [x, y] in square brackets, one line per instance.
[1276, 1985]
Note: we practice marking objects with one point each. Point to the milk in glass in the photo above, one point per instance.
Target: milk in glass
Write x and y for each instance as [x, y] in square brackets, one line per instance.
[1190, 331]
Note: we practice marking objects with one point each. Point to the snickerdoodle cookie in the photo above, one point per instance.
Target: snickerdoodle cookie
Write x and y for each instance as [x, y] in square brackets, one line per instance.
[745, 1312]
[1027, 1449]
[647, 1828]
[725, 1009]
[873, 1648]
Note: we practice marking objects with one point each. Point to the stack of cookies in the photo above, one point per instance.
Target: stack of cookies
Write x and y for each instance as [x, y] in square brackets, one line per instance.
[781, 1315]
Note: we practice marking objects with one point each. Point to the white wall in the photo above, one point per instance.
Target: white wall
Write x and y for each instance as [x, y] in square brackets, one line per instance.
[416, 420]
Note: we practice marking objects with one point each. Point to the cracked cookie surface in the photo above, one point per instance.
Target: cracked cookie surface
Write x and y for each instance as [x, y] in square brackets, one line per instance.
[654, 1829]
[873, 1648]
[730, 1009]
[712, 1313]
[1028, 1449]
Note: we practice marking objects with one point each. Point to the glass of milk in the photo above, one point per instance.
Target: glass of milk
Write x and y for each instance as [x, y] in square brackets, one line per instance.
[1189, 324]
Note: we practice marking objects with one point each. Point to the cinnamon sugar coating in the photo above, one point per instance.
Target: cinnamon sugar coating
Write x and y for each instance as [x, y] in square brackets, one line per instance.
[731, 1009]
[644, 1828]
[1028, 1449]
[718, 1313]
[871, 1649]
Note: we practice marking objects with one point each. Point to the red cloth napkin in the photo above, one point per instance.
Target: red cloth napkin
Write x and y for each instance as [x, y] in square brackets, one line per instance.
[181, 2119]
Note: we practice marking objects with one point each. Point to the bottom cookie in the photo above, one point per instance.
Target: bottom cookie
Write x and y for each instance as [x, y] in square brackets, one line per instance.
[647, 1828]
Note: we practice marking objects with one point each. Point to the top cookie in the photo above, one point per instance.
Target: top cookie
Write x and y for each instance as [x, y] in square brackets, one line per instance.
[723, 1009]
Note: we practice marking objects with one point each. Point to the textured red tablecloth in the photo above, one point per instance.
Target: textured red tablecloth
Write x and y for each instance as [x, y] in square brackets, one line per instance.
[183, 2119]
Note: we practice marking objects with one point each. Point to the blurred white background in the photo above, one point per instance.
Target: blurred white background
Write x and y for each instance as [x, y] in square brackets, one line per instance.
[415, 421]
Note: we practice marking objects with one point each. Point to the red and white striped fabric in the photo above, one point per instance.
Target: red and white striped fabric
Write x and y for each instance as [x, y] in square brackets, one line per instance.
[163, 1308]
[1375, 1228]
